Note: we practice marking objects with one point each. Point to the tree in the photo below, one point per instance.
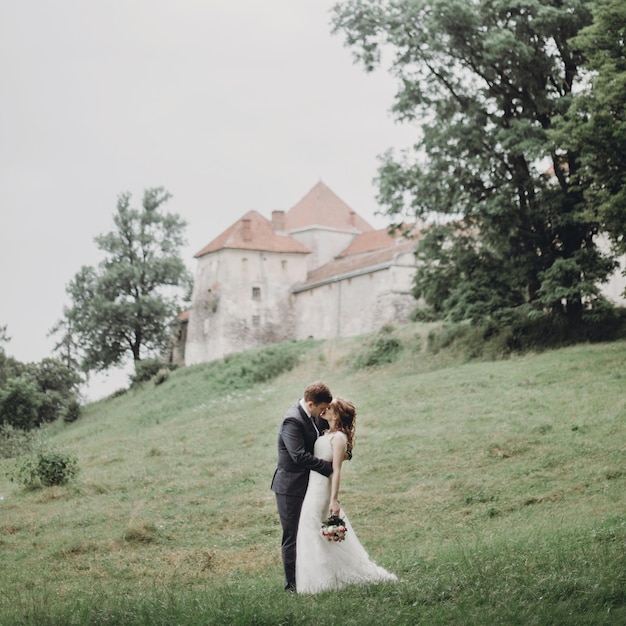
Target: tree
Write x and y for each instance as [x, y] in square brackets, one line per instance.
[460, 279]
[4, 338]
[594, 126]
[20, 402]
[53, 376]
[9, 367]
[66, 347]
[32, 394]
[485, 80]
[124, 306]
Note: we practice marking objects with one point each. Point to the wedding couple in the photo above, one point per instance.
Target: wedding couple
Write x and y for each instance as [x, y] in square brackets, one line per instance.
[315, 437]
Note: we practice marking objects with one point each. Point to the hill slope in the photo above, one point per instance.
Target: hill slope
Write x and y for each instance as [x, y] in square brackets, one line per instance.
[495, 490]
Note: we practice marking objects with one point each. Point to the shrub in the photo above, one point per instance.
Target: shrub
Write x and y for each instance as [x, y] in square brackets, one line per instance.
[446, 336]
[15, 441]
[72, 412]
[384, 349]
[52, 405]
[241, 371]
[605, 323]
[161, 376]
[147, 369]
[424, 314]
[46, 469]
[523, 329]
[270, 363]
[19, 404]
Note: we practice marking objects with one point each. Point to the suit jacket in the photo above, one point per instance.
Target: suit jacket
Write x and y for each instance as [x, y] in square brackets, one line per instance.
[296, 438]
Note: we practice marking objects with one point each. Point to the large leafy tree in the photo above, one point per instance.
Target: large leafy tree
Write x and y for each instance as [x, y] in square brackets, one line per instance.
[595, 124]
[124, 306]
[484, 81]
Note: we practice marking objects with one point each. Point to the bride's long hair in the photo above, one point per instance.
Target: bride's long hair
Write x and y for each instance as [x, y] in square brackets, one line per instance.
[347, 419]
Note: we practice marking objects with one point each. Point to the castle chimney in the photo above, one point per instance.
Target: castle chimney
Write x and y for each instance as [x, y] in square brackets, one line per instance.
[246, 229]
[352, 219]
[278, 221]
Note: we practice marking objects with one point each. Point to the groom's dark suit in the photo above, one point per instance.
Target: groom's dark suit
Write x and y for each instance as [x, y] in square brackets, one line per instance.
[296, 439]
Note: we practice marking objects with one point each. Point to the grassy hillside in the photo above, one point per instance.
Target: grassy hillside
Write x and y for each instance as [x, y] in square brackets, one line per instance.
[494, 489]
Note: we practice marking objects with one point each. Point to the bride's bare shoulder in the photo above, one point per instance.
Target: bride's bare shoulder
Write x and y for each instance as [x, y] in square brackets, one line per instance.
[338, 435]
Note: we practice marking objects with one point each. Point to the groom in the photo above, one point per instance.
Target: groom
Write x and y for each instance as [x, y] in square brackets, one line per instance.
[302, 425]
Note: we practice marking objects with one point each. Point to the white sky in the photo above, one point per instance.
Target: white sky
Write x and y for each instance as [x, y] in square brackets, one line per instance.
[230, 105]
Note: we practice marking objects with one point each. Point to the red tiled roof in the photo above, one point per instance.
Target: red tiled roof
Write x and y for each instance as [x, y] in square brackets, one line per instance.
[366, 242]
[322, 207]
[357, 262]
[253, 232]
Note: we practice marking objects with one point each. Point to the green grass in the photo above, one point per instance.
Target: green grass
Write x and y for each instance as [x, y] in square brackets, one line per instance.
[494, 489]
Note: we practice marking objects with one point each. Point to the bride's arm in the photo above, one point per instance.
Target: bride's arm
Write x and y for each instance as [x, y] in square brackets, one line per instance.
[339, 445]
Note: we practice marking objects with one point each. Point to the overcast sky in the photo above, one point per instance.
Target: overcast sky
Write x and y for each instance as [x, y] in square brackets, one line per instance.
[230, 105]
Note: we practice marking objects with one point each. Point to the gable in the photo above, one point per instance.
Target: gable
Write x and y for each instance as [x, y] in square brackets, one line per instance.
[321, 207]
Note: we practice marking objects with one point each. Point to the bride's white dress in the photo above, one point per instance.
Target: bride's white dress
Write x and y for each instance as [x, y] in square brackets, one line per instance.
[323, 564]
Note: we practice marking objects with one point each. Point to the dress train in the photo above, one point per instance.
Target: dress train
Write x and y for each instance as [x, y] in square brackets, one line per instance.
[323, 564]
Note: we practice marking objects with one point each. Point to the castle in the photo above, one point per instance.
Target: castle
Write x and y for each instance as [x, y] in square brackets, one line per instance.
[318, 270]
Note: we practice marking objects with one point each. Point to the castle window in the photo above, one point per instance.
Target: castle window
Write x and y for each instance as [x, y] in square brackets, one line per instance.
[256, 321]
[283, 264]
[256, 293]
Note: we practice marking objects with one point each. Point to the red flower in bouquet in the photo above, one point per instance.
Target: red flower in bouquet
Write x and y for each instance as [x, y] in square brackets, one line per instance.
[334, 529]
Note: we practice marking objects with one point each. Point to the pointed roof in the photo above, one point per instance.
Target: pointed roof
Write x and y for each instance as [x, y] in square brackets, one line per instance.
[253, 232]
[322, 207]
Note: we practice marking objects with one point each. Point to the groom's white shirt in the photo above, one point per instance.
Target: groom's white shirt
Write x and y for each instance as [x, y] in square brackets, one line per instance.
[305, 408]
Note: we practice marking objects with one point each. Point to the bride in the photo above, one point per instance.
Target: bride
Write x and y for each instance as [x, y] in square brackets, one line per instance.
[323, 564]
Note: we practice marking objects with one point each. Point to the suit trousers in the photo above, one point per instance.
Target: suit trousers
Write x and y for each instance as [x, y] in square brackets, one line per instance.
[289, 508]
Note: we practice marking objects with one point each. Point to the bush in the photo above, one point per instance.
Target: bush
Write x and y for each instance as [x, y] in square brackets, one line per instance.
[523, 329]
[19, 404]
[424, 314]
[240, 371]
[384, 349]
[52, 404]
[605, 323]
[72, 412]
[15, 441]
[161, 376]
[47, 468]
[243, 370]
[147, 369]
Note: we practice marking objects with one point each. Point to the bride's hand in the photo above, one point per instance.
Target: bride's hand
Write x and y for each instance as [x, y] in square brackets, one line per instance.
[334, 507]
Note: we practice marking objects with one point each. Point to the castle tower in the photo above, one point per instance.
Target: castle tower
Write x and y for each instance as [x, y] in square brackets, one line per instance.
[241, 296]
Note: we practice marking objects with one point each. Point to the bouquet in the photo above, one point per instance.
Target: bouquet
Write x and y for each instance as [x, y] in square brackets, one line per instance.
[334, 529]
